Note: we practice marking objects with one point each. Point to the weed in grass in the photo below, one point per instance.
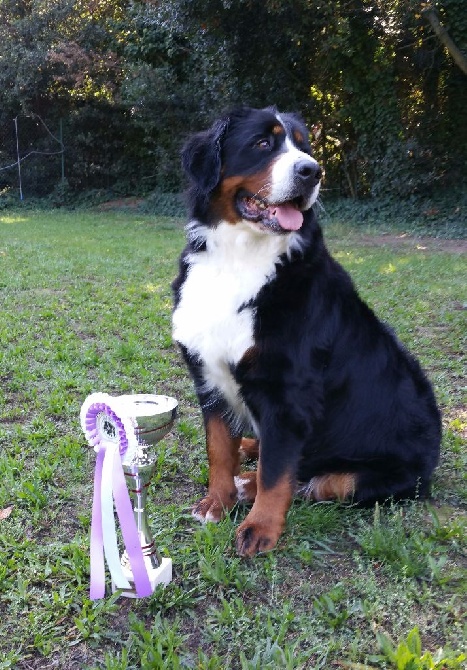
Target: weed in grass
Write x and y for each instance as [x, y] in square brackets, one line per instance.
[304, 552]
[452, 532]
[119, 661]
[216, 566]
[408, 655]
[189, 431]
[174, 597]
[32, 495]
[454, 462]
[201, 474]
[252, 636]
[216, 570]
[228, 621]
[72, 561]
[161, 646]
[395, 542]
[92, 621]
[309, 526]
[270, 655]
[331, 607]
[317, 520]
[10, 659]
[11, 470]
[209, 661]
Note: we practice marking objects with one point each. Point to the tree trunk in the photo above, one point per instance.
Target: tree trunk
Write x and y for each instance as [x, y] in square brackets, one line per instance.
[442, 34]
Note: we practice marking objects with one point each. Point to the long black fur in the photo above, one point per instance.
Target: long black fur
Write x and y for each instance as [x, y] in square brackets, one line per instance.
[328, 384]
[348, 397]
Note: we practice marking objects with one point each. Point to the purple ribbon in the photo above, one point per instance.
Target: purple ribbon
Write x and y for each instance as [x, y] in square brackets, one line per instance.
[97, 589]
[130, 531]
[124, 510]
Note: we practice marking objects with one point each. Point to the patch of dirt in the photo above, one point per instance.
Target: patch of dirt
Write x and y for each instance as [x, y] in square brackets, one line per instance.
[457, 246]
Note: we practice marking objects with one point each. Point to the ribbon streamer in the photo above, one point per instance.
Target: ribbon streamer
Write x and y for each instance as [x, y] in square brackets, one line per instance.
[111, 431]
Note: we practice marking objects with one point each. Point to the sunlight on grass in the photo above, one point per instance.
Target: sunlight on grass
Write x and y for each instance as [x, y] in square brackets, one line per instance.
[348, 257]
[13, 219]
[388, 269]
[403, 263]
[154, 288]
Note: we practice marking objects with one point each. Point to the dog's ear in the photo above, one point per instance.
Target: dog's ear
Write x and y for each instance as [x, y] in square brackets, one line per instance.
[201, 156]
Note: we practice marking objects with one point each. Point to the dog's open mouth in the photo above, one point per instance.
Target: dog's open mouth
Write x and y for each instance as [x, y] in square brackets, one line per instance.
[280, 217]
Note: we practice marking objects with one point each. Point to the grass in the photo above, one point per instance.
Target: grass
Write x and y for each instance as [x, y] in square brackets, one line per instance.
[86, 306]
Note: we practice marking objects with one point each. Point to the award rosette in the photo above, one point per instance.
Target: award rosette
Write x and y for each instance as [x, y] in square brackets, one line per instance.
[121, 429]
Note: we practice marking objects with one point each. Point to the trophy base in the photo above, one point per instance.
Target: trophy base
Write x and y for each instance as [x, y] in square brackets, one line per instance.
[160, 575]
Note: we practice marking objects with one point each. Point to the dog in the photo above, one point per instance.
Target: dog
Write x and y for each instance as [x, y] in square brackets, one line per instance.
[280, 346]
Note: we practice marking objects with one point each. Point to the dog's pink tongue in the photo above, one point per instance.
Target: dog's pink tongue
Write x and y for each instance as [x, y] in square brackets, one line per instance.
[289, 217]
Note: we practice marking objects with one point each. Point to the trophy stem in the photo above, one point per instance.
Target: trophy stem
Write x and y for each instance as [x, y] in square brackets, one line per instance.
[138, 477]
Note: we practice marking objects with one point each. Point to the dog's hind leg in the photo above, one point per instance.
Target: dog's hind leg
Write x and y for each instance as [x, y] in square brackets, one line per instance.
[246, 481]
[334, 486]
[249, 449]
[246, 486]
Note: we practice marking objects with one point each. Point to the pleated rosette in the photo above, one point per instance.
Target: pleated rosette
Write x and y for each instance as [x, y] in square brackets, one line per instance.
[106, 419]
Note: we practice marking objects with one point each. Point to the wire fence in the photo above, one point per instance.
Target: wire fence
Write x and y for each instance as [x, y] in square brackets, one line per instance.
[88, 155]
[32, 156]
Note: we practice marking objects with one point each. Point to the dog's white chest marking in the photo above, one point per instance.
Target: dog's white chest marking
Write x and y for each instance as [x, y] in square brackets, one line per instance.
[212, 319]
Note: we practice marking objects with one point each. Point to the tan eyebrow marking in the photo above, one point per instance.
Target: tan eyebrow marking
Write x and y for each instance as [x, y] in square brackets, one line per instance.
[298, 137]
[278, 130]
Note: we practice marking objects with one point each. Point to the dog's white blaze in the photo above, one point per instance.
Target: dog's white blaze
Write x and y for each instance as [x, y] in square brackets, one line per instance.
[282, 177]
[283, 172]
[237, 262]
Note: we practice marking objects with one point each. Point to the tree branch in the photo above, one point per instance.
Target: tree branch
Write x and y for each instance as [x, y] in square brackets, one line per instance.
[442, 34]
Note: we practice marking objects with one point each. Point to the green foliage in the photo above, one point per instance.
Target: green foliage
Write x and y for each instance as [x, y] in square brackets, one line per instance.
[442, 214]
[131, 79]
[408, 552]
[408, 654]
[331, 608]
[160, 646]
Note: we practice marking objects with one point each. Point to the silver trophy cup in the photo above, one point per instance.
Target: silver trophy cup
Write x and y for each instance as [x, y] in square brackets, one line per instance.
[153, 417]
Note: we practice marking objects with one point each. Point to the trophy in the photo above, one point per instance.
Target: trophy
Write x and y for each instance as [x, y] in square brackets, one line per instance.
[122, 431]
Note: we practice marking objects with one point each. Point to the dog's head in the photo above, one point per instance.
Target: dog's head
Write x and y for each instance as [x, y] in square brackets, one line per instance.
[253, 165]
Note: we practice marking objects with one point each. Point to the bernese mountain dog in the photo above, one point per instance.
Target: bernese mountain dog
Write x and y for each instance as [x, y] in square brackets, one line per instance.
[280, 346]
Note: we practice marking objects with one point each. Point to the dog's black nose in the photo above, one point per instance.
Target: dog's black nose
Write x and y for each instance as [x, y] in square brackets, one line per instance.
[308, 172]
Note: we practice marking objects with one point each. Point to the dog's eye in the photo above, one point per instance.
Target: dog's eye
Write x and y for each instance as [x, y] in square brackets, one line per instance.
[264, 143]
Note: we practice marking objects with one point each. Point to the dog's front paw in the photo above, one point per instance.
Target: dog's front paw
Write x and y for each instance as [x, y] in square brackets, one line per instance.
[213, 508]
[254, 536]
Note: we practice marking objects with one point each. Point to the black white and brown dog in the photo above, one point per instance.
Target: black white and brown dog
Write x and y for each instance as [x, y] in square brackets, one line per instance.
[279, 344]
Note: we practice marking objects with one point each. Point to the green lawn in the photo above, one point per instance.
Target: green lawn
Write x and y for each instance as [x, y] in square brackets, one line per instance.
[85, 306]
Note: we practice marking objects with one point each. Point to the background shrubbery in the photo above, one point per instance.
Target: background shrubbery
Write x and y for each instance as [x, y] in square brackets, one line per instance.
[129, 80]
